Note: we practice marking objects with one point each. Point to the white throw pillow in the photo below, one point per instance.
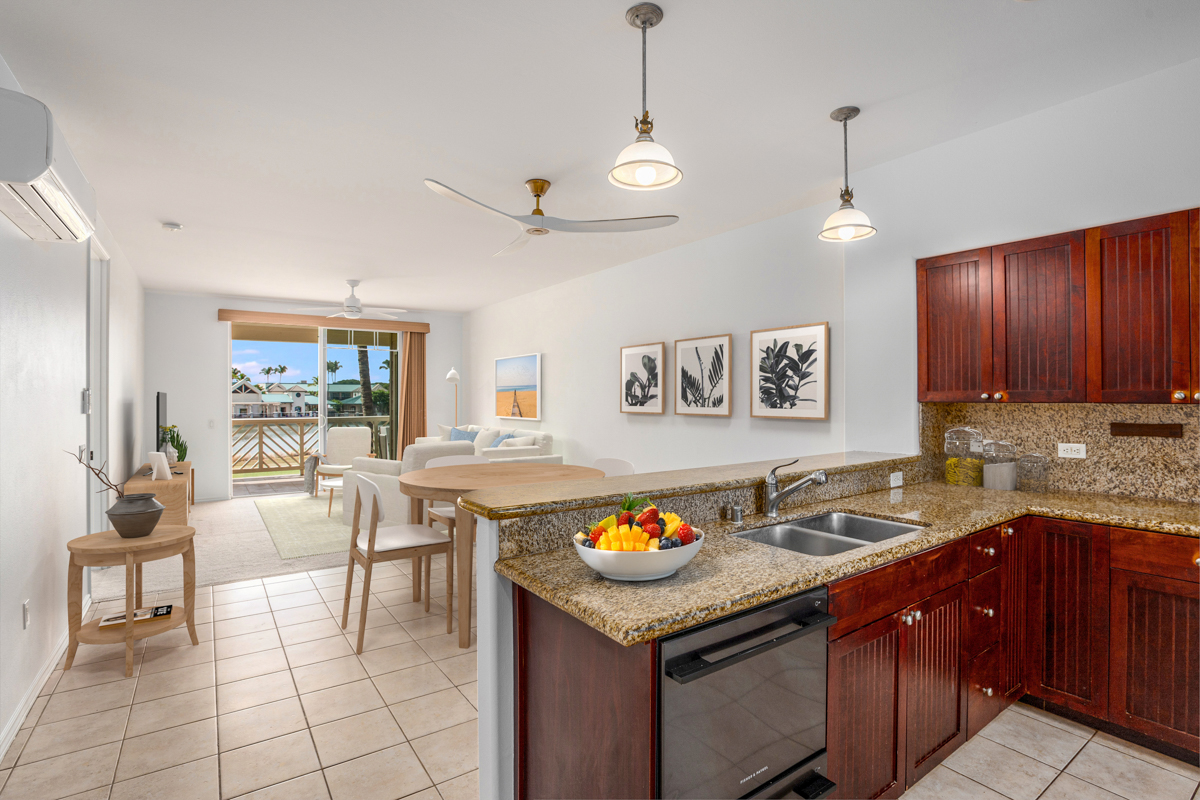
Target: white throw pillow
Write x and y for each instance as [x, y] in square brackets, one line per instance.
[444, 432]
[484, 439]
[524, 441]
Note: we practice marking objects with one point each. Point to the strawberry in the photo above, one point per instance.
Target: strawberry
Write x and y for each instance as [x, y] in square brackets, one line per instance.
[626, 518]
[685, 534]
[596, 533]
[648, 517]
[652, 530]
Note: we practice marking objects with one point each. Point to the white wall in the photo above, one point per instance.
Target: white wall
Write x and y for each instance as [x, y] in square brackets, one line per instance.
[43, 368]
[767, 275]
[1125, 152]
[187, 356]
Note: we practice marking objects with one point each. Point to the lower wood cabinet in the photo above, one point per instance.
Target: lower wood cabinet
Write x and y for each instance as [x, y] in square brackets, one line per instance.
[932, 644]
[1068, 564]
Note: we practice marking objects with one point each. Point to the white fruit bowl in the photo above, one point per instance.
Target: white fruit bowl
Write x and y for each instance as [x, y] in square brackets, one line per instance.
[648, 565]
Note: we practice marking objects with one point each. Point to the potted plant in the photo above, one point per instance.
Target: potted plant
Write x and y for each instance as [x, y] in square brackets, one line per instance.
[171, 444]
[133, 515]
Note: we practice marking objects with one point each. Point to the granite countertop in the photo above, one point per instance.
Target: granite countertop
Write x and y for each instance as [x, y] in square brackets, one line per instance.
[731, 574]
[551, 498]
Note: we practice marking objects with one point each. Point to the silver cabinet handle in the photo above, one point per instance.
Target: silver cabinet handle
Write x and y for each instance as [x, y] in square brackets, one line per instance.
[1180, 395]
[988, 692]
[998, 396]
[985, 396]
[988, 551]
[912, 617]
[1196, 561]
[1196, 397]
[1007, 531]
[988, 612]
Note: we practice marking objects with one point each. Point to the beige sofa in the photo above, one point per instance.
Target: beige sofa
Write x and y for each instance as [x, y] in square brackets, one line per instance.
[541, 451]
[385, 473]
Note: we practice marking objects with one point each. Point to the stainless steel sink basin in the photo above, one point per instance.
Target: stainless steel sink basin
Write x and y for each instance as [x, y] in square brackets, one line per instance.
[852, 526]
[790, 536]
[827, 534]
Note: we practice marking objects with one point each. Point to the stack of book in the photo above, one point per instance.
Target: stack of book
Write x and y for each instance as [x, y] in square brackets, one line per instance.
[141, 615]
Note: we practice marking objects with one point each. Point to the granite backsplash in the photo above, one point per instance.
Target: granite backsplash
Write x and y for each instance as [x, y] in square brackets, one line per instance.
[1138, 466]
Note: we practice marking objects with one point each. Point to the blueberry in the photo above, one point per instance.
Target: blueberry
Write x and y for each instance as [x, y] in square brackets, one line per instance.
[588, 543]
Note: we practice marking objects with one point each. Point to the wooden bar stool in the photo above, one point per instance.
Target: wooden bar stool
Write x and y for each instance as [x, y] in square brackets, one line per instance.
[389, 543]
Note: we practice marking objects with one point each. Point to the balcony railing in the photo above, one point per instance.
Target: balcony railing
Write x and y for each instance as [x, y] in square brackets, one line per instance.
[281, 444]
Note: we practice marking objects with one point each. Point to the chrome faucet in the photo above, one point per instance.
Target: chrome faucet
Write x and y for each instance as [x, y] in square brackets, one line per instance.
[775, 497]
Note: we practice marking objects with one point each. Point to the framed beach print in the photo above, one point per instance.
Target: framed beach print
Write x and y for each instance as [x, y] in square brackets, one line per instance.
[790, 372]
[702, 376]
[519, 387]
[642, 390]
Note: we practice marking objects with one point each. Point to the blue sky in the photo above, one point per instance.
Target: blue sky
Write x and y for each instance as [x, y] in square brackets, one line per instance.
[518, 371]
[301, 361]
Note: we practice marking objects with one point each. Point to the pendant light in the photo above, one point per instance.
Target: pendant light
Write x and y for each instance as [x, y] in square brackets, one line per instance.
[645, 164]
[847, 223]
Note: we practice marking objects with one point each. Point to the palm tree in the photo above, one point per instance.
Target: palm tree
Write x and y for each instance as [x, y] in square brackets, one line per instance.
[238, 375]
[333, 366]
[364, 376]
[281, 370]
[267, 372]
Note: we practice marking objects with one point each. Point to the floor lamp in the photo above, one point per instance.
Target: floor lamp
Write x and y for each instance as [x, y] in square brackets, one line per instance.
[452, 377]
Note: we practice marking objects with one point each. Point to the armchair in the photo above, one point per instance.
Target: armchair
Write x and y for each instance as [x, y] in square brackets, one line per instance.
[342, 446]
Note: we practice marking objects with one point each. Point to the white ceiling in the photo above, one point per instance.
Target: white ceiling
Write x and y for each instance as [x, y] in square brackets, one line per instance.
[290, 137]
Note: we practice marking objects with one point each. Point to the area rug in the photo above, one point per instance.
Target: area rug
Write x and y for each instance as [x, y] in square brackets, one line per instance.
[299, 527]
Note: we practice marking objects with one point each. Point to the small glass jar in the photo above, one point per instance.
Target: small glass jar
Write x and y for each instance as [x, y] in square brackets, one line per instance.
[999, 466]
[964, 457]
[1033, 471]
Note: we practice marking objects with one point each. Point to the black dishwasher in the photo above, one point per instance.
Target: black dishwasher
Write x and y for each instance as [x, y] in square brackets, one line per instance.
[742, 704]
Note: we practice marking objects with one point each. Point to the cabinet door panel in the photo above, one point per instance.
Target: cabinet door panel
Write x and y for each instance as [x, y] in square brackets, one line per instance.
[866, 712]
[1138, 316]
[1069, 567]
[1039, 333]
[1155, 685]
[985, 615]
[954, 327]
[934, 671]
[984, 702]
[1013, 605]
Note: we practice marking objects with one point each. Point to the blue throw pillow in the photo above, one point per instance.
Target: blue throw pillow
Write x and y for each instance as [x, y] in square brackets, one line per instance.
[459, 435]
[501, 438]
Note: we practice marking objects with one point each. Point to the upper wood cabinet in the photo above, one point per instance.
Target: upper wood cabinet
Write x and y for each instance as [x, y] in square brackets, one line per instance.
[1139, 311]
[1110, 314]
[954, 327]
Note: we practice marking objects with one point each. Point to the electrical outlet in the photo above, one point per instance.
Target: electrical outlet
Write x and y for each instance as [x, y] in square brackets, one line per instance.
[1072, 450]
[25, 615]
[897, 479]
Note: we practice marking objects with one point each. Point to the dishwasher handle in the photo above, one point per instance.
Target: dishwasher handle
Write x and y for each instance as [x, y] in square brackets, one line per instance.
[698, 666]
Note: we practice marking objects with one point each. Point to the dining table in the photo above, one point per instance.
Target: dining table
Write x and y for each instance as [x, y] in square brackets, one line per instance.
[447, 484]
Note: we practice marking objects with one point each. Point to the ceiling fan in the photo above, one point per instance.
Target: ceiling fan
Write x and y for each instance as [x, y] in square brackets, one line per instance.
[538, 224]
[352, 308]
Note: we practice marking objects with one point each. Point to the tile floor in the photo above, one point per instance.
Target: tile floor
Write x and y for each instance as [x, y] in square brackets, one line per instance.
[273, 703]
[1026, 754]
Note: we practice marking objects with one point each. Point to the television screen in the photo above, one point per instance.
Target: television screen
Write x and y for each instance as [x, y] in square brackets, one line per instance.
[162, 411]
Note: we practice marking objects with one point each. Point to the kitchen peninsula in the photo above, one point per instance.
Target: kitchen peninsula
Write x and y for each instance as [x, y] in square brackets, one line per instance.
[970, 541]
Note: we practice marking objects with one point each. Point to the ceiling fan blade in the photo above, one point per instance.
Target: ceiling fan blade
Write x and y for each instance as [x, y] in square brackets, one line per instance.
[521, 240]
[318, 309]
[459, 197]
[599, 225]
[331, 316]
[375, 314]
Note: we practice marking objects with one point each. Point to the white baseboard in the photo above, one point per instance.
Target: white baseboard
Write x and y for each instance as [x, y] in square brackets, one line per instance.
[13, 725]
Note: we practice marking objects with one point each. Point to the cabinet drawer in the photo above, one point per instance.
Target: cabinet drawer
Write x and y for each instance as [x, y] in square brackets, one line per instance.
[1155, 553]
[863, 598]
[983, 550]
[984, 698]
[983, 612]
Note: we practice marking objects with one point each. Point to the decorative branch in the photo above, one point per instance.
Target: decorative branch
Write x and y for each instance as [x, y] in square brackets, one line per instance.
[99, 473]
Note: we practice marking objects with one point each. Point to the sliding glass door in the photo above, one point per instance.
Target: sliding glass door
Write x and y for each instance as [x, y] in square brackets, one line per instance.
[360, 384]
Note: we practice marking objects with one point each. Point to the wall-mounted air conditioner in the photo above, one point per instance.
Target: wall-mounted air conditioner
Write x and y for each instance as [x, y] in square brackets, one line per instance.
[42, 189]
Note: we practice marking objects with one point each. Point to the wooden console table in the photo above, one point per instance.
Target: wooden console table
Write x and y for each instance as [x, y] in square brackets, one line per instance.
[108, 549]
[177, 493]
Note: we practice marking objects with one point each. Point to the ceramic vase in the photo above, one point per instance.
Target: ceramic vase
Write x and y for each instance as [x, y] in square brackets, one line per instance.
[135, 515]
[169, 452]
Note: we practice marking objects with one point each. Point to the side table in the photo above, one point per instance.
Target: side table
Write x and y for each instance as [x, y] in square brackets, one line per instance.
[108, 549]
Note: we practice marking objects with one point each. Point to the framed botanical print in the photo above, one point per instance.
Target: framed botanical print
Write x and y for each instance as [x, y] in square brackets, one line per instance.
[519, 387]
[790, 372]
[702, 376]
[642, 390]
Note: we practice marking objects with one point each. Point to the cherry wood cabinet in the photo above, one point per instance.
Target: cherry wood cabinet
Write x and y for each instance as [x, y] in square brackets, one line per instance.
[1039, 340]
[1011, 659]
[1110, 314]
[934, 669]
[1068, 613]
[954, 327]
[1139, 311]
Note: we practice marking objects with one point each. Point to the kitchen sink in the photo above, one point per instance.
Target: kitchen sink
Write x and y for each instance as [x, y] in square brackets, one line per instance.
[827, 534]
[852, 526]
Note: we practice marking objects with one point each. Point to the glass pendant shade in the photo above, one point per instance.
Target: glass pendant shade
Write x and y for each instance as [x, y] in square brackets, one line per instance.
[645, 165]
[847, 224]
